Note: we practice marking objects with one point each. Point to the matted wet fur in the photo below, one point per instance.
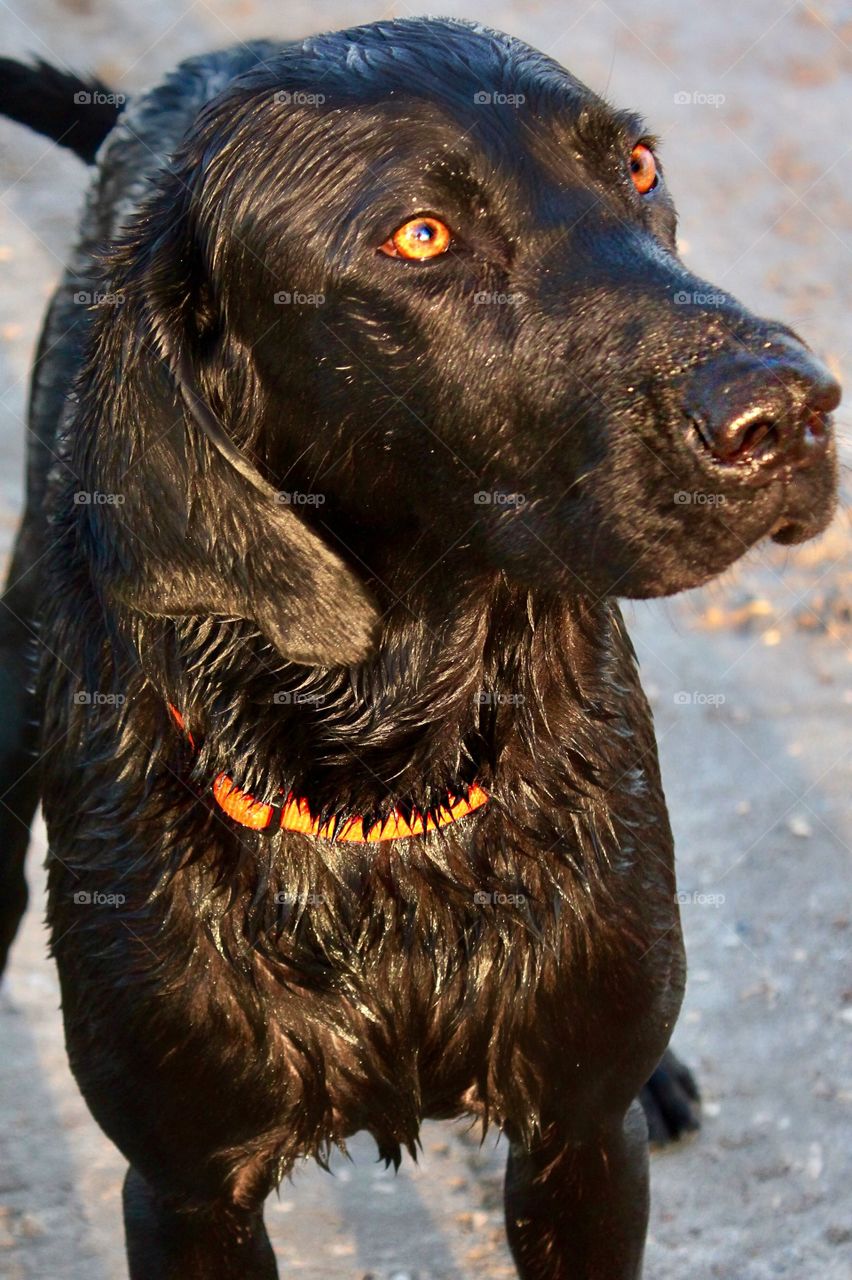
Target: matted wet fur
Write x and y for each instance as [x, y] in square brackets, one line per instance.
[402, 583]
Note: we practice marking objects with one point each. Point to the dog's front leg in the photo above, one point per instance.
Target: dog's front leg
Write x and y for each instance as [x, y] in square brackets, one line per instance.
[577, 1209]
[218, 1242]
[19, 712]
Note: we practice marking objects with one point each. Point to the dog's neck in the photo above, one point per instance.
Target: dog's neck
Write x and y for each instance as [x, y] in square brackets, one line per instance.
[461, 688]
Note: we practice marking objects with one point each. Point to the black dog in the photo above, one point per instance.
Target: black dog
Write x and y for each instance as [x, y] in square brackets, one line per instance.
[388, 381]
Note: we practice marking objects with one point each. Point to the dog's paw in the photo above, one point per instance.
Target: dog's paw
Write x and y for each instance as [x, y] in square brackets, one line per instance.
[671, 1102]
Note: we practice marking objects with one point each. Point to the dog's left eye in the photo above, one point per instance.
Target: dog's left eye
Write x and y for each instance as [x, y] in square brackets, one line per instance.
[419, 238]
[643, 169]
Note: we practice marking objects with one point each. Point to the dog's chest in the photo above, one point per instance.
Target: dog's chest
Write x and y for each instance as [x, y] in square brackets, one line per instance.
[373, 996]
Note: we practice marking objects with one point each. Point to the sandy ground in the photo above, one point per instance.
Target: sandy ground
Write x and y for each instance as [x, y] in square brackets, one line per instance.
[750, 681]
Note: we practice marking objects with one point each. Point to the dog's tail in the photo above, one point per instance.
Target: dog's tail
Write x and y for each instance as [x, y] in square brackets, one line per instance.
[76, 113]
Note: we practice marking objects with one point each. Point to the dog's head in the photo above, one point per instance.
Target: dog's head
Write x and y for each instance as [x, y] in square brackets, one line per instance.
[427, 282]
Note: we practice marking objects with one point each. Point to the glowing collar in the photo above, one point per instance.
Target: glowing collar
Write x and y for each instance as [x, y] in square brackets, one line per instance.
[290, 813]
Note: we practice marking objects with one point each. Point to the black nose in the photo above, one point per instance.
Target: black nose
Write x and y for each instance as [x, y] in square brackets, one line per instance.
[763, 410]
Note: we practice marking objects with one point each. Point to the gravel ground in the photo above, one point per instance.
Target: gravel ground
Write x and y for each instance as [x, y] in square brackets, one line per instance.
[750, 681]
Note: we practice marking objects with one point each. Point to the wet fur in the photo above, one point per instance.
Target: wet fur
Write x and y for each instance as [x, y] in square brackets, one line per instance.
[256, 998]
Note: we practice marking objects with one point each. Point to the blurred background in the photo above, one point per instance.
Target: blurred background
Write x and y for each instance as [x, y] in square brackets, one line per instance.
[750, 682]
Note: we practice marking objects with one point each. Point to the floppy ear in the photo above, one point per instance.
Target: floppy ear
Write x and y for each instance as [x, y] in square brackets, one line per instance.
[173, 514]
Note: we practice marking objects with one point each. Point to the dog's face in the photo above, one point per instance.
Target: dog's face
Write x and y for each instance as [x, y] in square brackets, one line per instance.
[488, 325]
[427, 275]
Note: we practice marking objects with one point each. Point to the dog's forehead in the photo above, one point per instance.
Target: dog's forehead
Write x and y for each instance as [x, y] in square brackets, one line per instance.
[466, 72]
[417, 113]
[428, 53]
[444, 91]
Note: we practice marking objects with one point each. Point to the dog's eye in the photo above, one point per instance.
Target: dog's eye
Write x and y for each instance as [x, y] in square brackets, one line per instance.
[420, 238]
[643, 169]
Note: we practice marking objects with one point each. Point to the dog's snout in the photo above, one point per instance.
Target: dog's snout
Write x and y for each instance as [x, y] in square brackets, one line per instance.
[763, 411]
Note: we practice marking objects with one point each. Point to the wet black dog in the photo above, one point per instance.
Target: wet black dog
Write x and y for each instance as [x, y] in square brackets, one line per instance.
[389, 381]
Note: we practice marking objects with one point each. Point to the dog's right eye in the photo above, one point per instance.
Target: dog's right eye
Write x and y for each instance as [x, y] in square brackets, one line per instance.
[418, 239]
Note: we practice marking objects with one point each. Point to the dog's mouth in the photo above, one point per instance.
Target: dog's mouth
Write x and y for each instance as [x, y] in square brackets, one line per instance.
[807, 494]
[795, 489]
[808, 504]
[788, 533]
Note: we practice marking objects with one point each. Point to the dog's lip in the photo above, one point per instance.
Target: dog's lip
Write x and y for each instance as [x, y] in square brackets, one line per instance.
[791, 516]
[808, 500]
[786, 531]
[789, 530]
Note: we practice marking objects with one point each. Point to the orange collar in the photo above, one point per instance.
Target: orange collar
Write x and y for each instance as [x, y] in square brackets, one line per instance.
[293, 814]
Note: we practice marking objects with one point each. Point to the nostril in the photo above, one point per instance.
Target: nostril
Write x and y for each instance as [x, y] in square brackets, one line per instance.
[750, 437]
[759, 441]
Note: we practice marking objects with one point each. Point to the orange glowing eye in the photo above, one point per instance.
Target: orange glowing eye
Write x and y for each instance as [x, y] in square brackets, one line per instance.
[643, 169]
[420, 238]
